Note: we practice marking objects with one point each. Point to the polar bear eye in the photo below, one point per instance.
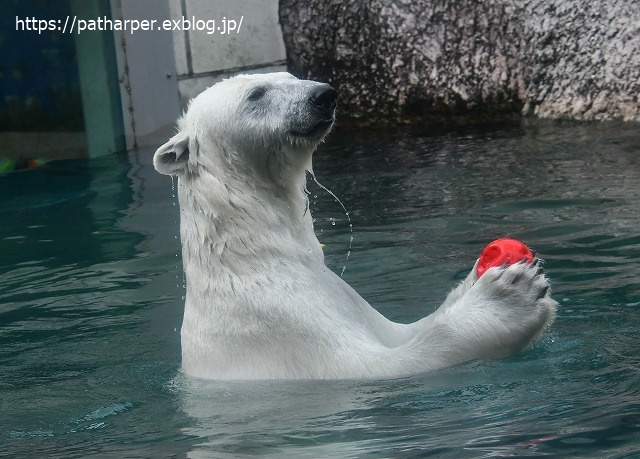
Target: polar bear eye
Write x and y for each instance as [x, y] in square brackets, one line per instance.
[257, 93]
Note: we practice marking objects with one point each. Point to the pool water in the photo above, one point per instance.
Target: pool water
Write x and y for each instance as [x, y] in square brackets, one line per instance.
[91, 293]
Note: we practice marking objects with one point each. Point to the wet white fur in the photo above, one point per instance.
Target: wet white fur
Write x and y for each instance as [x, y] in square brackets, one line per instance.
[260, 302]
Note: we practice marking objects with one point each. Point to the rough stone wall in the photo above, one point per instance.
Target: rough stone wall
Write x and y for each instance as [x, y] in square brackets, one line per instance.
[400, 59]
[584, 58]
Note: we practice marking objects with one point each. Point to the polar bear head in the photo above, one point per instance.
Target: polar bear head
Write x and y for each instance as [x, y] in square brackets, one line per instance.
[260, 128]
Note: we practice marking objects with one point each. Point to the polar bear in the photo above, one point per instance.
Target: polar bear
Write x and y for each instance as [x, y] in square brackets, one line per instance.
[260, 301]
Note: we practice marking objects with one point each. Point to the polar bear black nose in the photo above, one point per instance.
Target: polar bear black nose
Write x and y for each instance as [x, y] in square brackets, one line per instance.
[323, 97]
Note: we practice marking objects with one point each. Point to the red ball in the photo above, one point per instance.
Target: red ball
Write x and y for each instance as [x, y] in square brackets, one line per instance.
[503, 251]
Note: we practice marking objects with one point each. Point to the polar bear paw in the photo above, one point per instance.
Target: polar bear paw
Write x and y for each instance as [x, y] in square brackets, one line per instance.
[505, 310]
[517, 299]
[524, 283]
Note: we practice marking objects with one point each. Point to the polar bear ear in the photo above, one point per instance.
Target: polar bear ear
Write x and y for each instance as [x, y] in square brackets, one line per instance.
[172, 157]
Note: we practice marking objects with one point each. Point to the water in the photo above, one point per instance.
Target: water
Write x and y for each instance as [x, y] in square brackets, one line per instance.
[91, 304]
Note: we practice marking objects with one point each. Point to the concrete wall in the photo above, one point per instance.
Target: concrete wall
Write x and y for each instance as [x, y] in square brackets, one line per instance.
[159, 71]
[253, 45]
[146, 72]
[132, 85]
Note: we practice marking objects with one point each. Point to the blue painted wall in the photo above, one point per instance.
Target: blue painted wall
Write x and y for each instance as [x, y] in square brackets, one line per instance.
[39, 85]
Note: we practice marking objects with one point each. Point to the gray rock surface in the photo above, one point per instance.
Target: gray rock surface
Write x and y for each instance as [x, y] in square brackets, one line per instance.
[395, 60]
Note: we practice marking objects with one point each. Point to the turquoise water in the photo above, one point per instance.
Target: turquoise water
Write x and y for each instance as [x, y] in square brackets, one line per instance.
[91, 303]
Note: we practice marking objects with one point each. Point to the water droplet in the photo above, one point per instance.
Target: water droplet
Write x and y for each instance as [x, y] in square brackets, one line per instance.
[333, 223]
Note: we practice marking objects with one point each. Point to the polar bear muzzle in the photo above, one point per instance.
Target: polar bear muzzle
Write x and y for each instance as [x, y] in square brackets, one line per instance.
[319, 114]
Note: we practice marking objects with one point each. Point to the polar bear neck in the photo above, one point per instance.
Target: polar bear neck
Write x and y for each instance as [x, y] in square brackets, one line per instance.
[237, 228]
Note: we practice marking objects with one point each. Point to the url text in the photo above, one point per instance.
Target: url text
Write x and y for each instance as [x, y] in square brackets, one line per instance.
[72, 24]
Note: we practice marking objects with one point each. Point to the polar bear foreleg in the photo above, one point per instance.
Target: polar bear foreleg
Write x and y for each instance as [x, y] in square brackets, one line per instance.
[503, 311]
